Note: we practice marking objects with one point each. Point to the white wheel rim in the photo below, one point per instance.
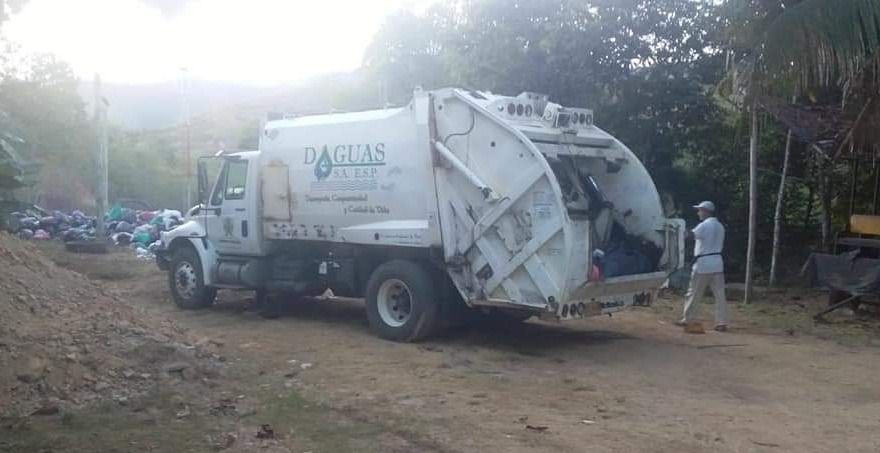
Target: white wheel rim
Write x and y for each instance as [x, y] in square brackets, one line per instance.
[394, 301]
[185, 280]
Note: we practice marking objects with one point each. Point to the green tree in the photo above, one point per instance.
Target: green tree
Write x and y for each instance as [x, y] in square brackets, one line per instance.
[645, 66]
[40, 98]
[792, 45]
[9, 7]
[12, 171]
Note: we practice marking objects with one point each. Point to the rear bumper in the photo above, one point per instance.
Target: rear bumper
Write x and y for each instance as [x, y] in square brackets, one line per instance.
[626, 284]
[595, 298]
[612, 295]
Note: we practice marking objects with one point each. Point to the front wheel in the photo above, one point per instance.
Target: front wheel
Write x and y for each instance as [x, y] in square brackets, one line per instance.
[186, 281]
[401, 304]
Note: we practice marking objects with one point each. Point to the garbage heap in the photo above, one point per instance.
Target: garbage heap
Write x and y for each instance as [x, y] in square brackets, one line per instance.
[138, 229]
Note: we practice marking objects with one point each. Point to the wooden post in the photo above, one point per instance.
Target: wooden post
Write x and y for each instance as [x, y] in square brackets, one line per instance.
[777, 217]
[753, 201]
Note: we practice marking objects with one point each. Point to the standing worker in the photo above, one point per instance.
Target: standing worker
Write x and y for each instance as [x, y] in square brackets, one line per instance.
[708, 269]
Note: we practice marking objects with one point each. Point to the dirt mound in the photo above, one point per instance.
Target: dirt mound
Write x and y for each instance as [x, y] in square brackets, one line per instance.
[66, 341]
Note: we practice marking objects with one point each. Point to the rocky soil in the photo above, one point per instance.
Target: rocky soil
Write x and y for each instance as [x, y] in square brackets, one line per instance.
[98, 358]
[67, 342]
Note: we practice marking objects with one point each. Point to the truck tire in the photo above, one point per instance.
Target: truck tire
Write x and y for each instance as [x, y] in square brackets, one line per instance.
[186, 281]
[401, 304]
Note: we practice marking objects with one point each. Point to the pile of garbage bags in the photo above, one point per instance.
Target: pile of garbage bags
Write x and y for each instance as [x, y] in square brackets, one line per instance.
[138, 229]
[38, 224]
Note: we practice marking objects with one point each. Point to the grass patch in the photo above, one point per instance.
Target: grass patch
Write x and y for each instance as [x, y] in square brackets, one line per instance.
[110, 427]
[315, 427]
[785, 313]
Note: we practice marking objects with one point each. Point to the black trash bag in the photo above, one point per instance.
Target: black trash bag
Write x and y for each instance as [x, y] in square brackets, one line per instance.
[72, 234]
[129, 215]
[122, 238]
[124, 227]
[30, 223]
[625, 261]
[629, 255]
[61, 217]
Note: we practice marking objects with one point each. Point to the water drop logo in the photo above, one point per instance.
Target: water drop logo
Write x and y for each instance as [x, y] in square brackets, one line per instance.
[324, 166]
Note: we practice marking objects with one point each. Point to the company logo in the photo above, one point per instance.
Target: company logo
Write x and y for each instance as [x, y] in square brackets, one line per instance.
[228, 227]
[346, 161]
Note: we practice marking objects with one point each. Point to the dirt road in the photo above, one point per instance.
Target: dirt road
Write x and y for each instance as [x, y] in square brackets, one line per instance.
[628, 383]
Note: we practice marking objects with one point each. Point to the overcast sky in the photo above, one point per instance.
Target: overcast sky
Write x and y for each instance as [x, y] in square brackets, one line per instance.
[255, 41]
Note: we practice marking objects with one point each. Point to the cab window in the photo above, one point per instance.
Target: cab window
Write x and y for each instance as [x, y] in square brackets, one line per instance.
[231, 183]
[219, 187]
[236, 178]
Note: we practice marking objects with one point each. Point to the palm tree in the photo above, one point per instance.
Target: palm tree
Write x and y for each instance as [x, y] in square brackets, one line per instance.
[792, 45]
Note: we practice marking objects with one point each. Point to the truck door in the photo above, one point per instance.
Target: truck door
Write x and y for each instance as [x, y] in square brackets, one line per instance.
[229, 217]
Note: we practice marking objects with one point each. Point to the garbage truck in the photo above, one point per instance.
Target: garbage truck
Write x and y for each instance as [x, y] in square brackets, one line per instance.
[510, 206]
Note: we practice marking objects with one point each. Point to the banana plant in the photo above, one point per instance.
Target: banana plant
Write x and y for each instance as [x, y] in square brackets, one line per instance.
[793, 46]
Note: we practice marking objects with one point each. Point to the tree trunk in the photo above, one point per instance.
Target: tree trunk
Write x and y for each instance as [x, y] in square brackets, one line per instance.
[777, 218]
[753, 201]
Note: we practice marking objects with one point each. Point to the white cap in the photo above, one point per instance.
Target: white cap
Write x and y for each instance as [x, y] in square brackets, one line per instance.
[707, 205]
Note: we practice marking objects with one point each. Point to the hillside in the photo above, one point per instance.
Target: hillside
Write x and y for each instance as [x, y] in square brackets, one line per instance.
[235, 124]
[158, 105]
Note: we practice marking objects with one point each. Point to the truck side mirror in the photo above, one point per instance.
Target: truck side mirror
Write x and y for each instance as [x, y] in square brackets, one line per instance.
[203, 182]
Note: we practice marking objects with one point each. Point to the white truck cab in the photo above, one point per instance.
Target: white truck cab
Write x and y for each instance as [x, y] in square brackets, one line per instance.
[513, 205]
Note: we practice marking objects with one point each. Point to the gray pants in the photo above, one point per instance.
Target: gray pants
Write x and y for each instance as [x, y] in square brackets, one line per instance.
[697, 288]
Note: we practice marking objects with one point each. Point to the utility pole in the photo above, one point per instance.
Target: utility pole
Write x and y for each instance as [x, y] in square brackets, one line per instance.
[101, 129]
[753, 200]
[184, 109]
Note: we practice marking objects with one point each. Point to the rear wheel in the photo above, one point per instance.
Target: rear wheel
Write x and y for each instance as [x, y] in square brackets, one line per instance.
[186, 281]
[401, 304]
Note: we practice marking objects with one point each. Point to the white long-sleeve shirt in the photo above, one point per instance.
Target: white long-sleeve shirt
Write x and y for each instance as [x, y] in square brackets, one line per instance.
[709, 238]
